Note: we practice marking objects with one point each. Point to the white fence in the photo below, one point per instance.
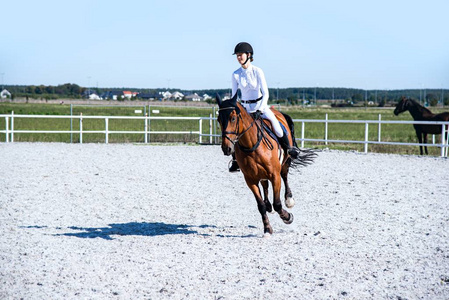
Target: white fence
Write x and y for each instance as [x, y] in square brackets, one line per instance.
[443, 145]
[211, 135]
[10, 130]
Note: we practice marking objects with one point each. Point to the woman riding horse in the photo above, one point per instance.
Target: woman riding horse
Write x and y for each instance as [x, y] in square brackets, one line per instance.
[245, 135]
[254, 96]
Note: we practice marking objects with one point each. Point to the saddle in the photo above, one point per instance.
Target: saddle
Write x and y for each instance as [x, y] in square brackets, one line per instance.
[267, 124]
[268, 128]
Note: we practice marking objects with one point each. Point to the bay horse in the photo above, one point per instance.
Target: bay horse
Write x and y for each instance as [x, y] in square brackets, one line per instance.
[420, 113]
[259, 155]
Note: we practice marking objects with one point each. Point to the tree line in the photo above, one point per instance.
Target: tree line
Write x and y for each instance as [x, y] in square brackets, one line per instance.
[294, 96]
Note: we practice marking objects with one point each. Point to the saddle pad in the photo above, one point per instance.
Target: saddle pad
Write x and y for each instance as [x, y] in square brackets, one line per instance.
[268, 128]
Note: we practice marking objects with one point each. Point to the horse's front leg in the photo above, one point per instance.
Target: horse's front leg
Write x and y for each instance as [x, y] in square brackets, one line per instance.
[264, 184]
[419, 136]
[277, 204]
[289, 202]
[254, 187]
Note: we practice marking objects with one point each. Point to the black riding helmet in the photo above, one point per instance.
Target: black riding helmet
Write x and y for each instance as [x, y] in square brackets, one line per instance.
[243, 47]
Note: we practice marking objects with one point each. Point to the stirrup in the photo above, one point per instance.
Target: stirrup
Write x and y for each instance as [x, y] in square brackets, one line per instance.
[233, 166]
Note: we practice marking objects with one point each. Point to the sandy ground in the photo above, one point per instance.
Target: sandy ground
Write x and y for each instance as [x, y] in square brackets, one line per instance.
[98, 221]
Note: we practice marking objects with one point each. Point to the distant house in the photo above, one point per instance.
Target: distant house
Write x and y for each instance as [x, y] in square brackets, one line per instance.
[94, 96]
[227, 96]
[193, 97]
[177, 96]
[5, 94]
[149, 96]
[129, 94]
[166, 95]
[90, 94]
[111, 95]
[172, 96]
[206, 97]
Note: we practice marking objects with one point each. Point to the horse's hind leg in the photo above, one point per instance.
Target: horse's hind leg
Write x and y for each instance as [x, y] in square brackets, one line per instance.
[254, 187]
[289, 202]
[425, 142]
[264, 184]
[277, 204]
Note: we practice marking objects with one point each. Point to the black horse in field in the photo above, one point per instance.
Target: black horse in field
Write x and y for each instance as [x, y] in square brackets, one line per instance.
[420, 113]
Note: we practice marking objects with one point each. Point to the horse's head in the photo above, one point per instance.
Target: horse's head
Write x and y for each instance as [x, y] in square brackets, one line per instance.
[401, 106]
[228, 117]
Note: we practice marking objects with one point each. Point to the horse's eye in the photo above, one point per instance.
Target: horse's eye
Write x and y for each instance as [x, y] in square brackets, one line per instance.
[233, 119]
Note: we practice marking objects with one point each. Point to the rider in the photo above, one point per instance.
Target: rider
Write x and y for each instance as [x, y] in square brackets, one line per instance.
[254, 96]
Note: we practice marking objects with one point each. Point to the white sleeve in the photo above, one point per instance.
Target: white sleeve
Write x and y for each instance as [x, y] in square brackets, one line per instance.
[234, 85]
[263, 88]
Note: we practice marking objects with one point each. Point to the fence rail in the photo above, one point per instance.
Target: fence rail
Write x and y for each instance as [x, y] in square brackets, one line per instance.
[10, 131]
[444, 132]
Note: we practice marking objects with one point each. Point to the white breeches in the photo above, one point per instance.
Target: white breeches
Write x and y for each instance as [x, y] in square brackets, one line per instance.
[269, 115]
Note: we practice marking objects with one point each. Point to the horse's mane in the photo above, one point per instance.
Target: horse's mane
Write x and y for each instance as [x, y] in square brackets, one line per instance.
[419, 106]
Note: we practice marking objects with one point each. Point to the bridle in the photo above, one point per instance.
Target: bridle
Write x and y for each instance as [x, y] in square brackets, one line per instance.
[224, 133]
[404, 105]
[260, 134]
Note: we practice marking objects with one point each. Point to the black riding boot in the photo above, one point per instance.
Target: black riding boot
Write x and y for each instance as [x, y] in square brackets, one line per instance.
[234, 167]
[285, 144]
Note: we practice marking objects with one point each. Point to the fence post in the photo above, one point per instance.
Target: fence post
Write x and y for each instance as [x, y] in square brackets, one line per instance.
[201, 131]
[106, 129]
[379, 128]
[326, 129]
[12, 126]
[81, 128]
[146, 129]
[366, 137]
[210, 128]
[302, 133]
[7, 129]
[149, 123]
[214, 124]
[443, 140]
[71, 123]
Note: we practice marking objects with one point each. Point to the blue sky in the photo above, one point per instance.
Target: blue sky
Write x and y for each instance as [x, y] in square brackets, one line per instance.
[383, 44]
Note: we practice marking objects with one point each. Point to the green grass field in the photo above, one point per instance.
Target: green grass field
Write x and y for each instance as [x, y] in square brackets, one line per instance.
[389, 133]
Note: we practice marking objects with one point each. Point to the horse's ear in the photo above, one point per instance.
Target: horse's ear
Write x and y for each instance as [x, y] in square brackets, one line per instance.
[234, 99]
[218, 99]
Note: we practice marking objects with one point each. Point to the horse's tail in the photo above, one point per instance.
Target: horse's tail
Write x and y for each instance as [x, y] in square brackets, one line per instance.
[306, 156]
[291, 126]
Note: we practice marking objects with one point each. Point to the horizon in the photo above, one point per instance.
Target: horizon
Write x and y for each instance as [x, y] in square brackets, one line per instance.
[271, 88]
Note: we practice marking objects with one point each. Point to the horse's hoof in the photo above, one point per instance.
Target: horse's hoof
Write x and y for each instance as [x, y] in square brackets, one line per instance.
[267, 235]
[290, 219]
[289, 202]
[268, 231]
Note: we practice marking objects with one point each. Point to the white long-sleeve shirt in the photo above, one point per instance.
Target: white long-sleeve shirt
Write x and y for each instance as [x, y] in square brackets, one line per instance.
[252, 85]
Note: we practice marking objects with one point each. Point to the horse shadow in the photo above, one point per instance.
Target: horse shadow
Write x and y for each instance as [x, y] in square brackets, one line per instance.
[149, 229]
[132, 229]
